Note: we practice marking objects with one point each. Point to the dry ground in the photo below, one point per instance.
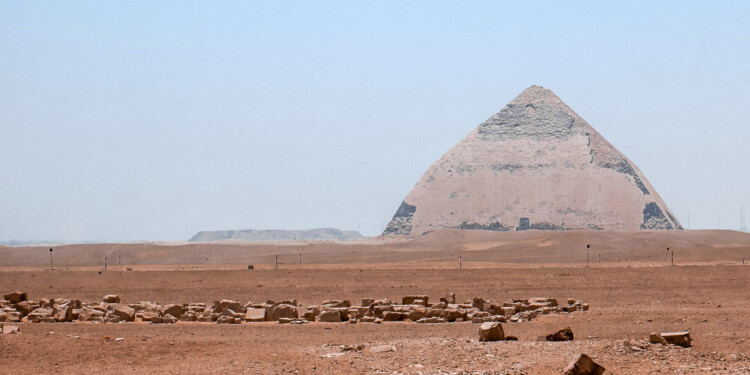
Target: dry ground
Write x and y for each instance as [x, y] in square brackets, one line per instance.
[527, 247]
[627, 303]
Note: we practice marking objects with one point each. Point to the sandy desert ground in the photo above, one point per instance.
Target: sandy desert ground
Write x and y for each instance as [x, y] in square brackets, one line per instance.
[631, 293]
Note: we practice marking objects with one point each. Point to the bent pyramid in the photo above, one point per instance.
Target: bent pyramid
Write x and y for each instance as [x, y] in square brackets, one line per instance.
[535, 164]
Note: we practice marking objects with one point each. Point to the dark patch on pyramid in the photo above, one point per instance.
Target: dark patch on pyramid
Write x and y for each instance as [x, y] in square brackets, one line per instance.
[401, 222]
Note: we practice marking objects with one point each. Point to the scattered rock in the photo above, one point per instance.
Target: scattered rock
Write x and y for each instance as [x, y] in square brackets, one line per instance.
[477, 303]
[228, 319]
[173, 310]
[678, 338]
[415, 300]
[90, 315]
[9, 329]
[449, 298]
[656, 338]
[583, 365]
[40, 314]
[392, 316]
[283, 311]
[64, 313]
[255, 314]
[16, 297]
[329, 316]
[228, 304]
[112, 298]
[148, 316]
[564, 334]
[491, 332]
[538, 302]
[124, 312]
[25, 307]
[337, 303]
[382, 349]
[348, 348]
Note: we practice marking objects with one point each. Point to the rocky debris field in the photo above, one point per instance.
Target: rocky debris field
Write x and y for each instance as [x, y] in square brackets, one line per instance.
[16, 307]
[472, 356]
[626, 305]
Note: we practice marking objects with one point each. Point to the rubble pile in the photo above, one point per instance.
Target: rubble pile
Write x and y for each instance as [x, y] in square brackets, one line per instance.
[16, 307]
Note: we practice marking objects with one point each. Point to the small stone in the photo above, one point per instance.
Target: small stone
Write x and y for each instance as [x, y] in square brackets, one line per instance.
[392, 316]
[656, 338]
[564, 334]
[9, 329]
[16, 297]
[412, 300]
[678, 338]
[583, 365]
[124, 312]
[112, 298]
[449, 298]
[253, 314]
[64, 313]
[330, 316]
[173, 310]
[491, 332]
[382, 349]
[286, 310]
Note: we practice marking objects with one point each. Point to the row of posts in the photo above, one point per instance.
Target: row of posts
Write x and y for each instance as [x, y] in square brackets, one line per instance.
[460, 259]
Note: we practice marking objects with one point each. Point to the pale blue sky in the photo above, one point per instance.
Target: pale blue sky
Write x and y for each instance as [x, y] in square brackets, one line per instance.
[152, 120]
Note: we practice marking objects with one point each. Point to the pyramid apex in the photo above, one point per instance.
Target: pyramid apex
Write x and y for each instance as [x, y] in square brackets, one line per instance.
[535, 94]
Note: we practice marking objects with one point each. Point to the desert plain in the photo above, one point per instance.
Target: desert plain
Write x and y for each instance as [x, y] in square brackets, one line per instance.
[630, 284]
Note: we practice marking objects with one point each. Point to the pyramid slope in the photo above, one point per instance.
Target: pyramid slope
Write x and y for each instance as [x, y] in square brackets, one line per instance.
[535, 164]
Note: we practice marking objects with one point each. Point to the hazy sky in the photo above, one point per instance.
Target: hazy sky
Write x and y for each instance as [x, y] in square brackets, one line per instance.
[124, 120]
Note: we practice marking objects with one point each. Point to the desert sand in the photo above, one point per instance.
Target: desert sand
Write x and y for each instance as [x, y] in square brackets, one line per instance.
[632, 292]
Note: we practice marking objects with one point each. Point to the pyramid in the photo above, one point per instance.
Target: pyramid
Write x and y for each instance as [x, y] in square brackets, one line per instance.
[535, 164]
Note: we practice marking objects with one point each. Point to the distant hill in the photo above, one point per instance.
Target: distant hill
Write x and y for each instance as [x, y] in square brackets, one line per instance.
[15, 243]
[276, 235]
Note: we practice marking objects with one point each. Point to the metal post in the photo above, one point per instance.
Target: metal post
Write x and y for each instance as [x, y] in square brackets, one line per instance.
[119, 259]
[673, 258]
[459, 262]
[587, 255]
[451, 257]
[300, 258]
[276, 262]
[105, 263]
[50, 260]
